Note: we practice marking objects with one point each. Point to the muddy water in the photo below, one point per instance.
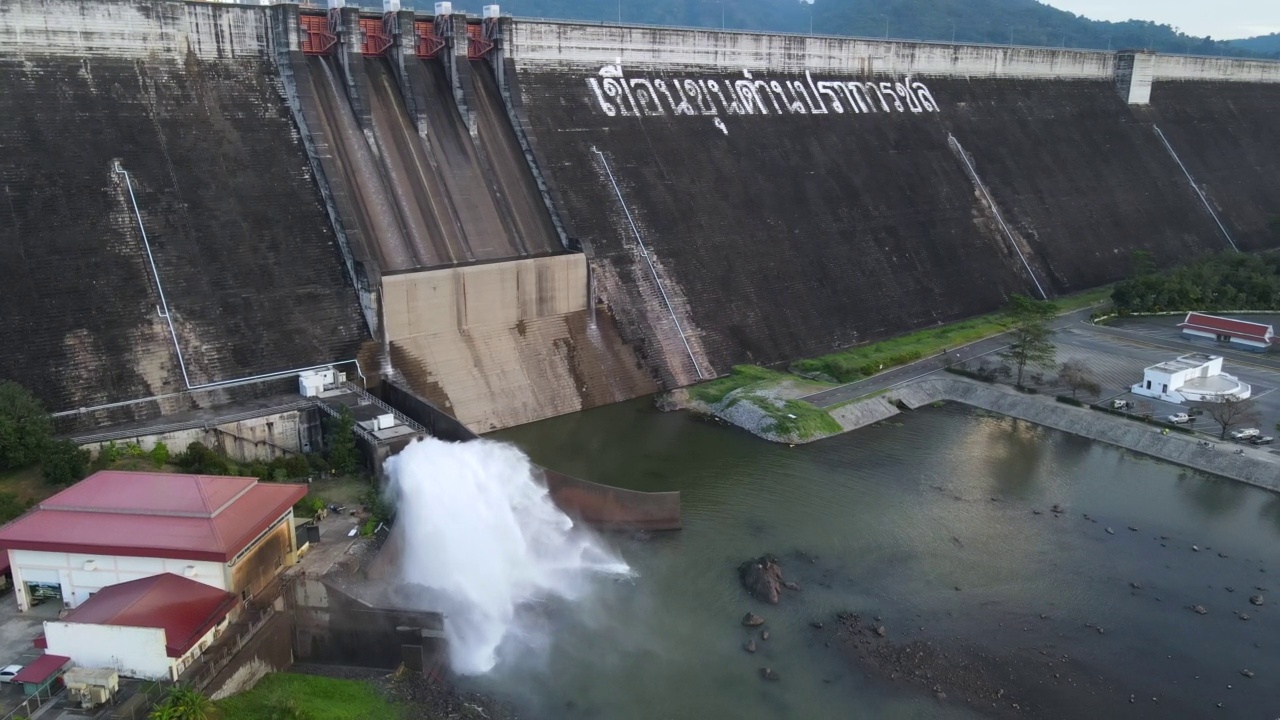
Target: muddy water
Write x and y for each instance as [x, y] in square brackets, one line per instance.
[890, 521]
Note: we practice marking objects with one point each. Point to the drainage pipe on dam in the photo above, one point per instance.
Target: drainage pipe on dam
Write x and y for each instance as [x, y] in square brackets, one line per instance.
[645, 251]
[973, 173]
[1195, 187]
[163, 310]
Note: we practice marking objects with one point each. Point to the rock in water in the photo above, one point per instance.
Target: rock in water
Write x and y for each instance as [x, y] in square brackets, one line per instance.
[750, 646]
[1256, 600]
[762, 578]
[752, 620]
[769, 674]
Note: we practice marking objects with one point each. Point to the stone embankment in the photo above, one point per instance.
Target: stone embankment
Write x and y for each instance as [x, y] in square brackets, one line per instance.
[1254, 466]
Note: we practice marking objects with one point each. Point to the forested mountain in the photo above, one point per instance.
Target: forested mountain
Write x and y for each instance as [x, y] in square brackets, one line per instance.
[1265, 44]
[1021, 22]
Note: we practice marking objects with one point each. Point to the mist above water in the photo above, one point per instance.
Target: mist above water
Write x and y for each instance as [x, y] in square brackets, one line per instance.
[481, 532]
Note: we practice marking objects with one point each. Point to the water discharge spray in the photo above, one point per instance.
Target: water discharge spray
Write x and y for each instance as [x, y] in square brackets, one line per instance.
[481, 533]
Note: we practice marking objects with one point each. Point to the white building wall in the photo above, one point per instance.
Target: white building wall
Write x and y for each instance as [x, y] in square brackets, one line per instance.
[71, 571]
[131, 651]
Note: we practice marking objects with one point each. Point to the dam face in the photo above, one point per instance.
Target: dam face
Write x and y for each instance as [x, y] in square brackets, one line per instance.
[185, 98]
[531, 218]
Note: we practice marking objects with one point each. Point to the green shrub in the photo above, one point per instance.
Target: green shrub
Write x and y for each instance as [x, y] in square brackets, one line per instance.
[159, 454]
[25, 427]
[203, 461]
[340, 437]
[296, 466]
[64, 463]
[1068, 400]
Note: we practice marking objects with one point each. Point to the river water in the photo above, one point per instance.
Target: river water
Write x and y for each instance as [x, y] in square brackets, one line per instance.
[927, 522]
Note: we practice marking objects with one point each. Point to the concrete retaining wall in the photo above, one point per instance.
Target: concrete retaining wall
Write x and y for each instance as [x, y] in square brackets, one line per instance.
[1251, 468]
[566, 44]
[543, 43]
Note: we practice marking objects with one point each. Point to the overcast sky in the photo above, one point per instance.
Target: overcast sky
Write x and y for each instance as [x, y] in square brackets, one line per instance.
[1223, 19]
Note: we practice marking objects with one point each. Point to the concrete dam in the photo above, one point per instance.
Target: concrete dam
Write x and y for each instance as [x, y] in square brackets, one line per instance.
[521, 219]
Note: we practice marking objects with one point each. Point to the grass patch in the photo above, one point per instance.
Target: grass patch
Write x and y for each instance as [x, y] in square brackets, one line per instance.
[340, 490]
[713, 391]
[866, 360]
[27, 484]
[317, 698]
[796, 418]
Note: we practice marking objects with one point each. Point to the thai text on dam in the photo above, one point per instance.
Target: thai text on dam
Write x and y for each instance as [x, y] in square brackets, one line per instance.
[617, 94]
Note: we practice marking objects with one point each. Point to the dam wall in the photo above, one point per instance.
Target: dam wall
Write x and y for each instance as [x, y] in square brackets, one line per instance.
[219, 204]
[758, 198]
[502, 344]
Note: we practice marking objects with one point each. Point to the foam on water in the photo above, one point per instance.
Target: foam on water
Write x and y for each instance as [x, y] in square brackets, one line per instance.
[482, 533]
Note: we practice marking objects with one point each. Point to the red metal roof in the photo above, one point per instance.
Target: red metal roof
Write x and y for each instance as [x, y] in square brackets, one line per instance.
[141, 514]
[185, 609]
[41, 669]
[1227, 326]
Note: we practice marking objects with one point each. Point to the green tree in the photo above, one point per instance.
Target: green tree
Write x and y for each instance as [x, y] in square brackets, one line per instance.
[182, 703]
[64, 463]
[11, 506]
[25, 427]
[341, 440]
[1030, 334]
[159, 454]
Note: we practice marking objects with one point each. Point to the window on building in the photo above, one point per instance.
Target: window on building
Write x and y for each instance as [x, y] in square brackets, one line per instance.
[1164, 389]
[1148, 384]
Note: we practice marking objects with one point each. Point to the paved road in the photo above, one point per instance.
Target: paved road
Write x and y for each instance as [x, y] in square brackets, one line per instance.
[1073, 329]
[906, 373]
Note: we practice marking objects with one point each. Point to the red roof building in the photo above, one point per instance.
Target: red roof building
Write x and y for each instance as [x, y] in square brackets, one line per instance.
[41, 670]
[151, 628]
[1247, 335]
[116, 526]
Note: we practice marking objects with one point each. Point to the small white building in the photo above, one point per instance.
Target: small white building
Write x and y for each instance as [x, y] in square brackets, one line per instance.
[1191, 378]
[152, 628]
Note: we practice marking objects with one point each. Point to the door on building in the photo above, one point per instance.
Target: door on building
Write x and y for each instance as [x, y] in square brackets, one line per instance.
[1164, 389]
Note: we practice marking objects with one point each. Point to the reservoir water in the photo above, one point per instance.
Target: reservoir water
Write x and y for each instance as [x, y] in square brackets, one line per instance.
[929, 522]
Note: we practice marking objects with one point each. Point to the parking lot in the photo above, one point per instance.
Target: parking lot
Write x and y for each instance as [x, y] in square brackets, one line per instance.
[17, 631]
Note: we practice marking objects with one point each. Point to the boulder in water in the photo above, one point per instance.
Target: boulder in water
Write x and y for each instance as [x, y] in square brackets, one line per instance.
[752, 620]
[762, 577]
[750, 646]
[769, 674]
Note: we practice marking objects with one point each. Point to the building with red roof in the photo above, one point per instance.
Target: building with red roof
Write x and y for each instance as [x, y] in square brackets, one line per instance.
[231, 533]
[1246, 335]
[152, 628]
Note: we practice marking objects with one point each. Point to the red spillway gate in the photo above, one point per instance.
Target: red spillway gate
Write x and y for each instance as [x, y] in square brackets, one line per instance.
[428, 45]
[477, 45]
[377, 36]
[317, 37]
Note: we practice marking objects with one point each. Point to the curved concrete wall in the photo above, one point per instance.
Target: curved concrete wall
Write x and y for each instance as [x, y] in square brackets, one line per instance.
[611, 508]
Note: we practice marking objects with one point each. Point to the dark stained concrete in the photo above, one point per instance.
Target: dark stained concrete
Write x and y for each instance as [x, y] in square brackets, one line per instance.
[794, 235]
[1228, 136]
[249, 263]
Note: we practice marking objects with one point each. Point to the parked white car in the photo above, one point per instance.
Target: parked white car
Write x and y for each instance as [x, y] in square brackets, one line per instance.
[1179, 418]
[1245, 434]
[8, 671]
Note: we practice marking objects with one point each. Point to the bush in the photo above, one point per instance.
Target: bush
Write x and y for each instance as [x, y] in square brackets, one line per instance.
[201, 460]
[1068, 400]
[309, 506]
[972, 374]
[25, 427]
[159, 454]
[64, 463]
[296, 466]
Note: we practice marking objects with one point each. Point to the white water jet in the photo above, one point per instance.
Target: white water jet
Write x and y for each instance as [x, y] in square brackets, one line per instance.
[481, 532]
